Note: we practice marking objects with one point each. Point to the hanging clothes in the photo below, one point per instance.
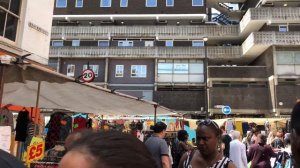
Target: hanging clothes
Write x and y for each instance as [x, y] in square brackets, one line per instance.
[53, 126]
[229, 126]
[6, 118]
[246, 128]
[21, 126]
[239, 127]
[79, 123]
[65, 127]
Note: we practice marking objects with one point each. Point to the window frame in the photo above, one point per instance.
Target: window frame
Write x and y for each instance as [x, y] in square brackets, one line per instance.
[127, 41]
[167, 5]
[119, 75]
[103, 41]
[283, 26]
[195, 41]
[102, 6]
[168, 41]
[151, 6]
[71, 74]
[75, 41]
[76, 4]
[92, 67]
[193, 3]
[121, 6]
[56, 4]
[141, 75]
[53, 41]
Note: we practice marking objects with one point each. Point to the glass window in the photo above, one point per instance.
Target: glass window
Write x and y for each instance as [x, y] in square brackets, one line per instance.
[103, 43]
[123, 3]
[285, 59]
[197, 3]
[79, 4]
[119, 71]
[169, 43]
[196, 68]
[151, 3]
[283, 28]
[95, 68]
[71, 70]
[165, 68]
[61, 3]
[297, 58]
[198, 43]
[169, 2]
[57, 43]
[139, 71]
[75, 43]
[181, 68]
[125, 43]
[105, 3]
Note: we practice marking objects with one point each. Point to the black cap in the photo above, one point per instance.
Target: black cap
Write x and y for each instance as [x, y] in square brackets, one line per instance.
[159, 127]
[295, 118]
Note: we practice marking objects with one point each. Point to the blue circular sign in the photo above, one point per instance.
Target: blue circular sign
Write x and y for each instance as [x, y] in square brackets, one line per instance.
[226, 110]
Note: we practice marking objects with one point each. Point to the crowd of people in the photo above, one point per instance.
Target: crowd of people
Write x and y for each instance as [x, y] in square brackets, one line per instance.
[213, 148]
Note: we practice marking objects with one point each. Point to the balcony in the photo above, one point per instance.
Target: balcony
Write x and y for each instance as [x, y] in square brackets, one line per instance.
[258, 42]
[147, 52]
[161, 32]
[255, 18]
[237, 72]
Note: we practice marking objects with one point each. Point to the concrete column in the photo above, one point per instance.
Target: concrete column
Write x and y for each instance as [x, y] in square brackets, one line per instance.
[155, 74]
[58, 64]
[106, 73]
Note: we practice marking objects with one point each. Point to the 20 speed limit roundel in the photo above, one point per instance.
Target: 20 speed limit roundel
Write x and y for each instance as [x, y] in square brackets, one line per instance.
[88, 75]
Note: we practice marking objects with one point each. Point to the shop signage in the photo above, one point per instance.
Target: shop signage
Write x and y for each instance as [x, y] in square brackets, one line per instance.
[35, 152]
[226, 110]
[38, 28]
[88, 75]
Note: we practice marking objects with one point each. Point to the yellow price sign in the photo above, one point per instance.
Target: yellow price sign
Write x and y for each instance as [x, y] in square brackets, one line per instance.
[35, 152]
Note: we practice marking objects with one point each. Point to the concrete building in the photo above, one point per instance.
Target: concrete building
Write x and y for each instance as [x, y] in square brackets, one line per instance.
[192, 56]
[25, 28]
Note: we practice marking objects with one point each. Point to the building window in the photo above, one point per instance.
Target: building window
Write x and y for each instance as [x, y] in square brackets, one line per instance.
[123, 3]
[9, 16]
[103, 43]
[57, 43]
[283, 28]
[75, 43]
[61, 3]
[169, 43]
[149, 43]
[119, 70]
[198, 43]
[138, 71]
[170, 3]
[125, 43]
[71, 70]
[197, 3]
[79, 4]
[105, 3]
[95, 68]
[182, 68]
[151, 3]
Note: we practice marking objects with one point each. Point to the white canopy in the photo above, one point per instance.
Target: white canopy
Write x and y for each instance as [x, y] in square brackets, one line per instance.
[58, 91]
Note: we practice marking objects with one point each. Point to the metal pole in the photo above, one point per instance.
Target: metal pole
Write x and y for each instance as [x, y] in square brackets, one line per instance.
[205, 78]
[155, 108]
[36, 108]
[2, 67]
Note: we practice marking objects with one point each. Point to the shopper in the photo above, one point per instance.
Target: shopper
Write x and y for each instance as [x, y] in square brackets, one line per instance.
[238, 150]
[295, 134]
[182, 145]
[226, 139]
[207, 154]
[260, 153]
[158, 146]
[108, 149]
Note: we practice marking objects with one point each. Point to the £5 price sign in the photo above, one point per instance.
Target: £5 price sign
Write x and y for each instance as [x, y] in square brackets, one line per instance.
[35, 152]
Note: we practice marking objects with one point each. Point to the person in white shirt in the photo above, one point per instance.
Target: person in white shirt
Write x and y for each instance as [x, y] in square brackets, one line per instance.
[237, 151]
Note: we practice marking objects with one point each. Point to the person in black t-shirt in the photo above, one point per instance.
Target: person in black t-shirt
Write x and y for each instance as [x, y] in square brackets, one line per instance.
[226, 139]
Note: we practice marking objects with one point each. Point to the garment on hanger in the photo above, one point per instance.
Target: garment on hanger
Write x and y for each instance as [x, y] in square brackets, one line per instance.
[6, 118]
[79, 123]
[21, 126]
[65, 128]
[53, 126]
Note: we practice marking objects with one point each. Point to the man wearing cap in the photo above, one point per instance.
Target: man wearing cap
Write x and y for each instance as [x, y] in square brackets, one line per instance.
[158, 146]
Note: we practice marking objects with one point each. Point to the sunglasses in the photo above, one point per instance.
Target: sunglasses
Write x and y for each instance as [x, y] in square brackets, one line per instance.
[208, 122]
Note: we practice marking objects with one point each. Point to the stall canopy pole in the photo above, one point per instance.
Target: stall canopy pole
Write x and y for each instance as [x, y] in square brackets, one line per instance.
[155, 110]
[36, 116]
[2, 67]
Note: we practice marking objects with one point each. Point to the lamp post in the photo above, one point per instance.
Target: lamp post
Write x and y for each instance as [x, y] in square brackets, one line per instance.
[205, 78]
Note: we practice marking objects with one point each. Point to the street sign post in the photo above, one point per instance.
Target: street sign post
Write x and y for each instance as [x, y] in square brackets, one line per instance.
[226, 110]
[88, 75]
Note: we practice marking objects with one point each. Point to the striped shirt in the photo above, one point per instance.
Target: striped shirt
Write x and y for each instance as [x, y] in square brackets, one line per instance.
[222, 163]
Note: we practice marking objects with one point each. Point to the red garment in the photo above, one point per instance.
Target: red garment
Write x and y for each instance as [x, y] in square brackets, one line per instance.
[79, 123]
[260, 156]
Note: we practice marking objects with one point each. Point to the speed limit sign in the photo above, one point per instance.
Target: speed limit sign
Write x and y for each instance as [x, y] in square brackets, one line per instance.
[88, 75]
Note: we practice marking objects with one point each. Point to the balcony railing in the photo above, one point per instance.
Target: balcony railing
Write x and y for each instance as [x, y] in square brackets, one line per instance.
[103, 32]
[147, 52]
[274, 14]
[237, 72]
